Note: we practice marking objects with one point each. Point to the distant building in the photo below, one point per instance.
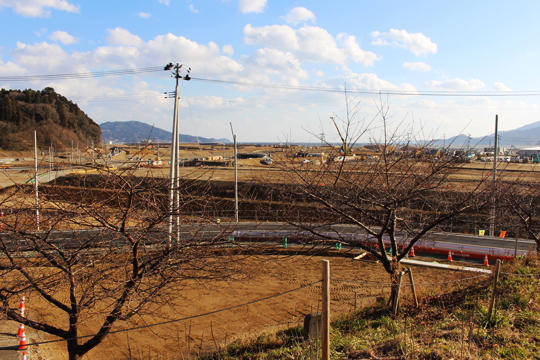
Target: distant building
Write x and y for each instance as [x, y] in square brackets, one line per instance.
[529, 152]
[490, 150]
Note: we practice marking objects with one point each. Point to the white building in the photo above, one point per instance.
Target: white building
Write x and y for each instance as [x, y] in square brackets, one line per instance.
[529, 152]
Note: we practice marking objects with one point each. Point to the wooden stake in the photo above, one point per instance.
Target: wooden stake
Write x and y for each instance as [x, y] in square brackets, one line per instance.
[325, 328]
[495, 280]
[413, 287]
[396, 302]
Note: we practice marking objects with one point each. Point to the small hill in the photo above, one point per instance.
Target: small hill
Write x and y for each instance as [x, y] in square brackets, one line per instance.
[527, 135]
[57, 120]
[135, 131]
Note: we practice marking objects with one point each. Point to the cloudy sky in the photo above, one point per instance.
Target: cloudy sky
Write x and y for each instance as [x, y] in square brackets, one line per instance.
[282, 65]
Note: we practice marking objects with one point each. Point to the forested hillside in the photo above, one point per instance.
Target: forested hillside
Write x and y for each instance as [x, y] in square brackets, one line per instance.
[57, 120]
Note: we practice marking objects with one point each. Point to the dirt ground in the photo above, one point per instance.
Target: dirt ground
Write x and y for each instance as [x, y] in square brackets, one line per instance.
[263, 276]
[249, 169]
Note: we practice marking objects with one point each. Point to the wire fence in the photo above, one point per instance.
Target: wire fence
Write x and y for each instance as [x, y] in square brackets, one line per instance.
[204, 335]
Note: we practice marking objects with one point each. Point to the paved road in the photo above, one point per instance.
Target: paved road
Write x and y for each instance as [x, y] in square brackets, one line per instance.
[264, 231]
[508, 243]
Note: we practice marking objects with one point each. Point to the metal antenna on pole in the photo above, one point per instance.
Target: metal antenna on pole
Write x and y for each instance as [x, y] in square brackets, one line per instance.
[36, 181]
[235, 175]
[174, 184]
[494, 200]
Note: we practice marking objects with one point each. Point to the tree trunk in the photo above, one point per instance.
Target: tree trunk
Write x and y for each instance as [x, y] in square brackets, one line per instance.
[395, 268]
[72, 347]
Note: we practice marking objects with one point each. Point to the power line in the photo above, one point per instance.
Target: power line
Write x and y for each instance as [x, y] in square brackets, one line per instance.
[155, 69]
[232, 307]
[460, 93]
[83, 75]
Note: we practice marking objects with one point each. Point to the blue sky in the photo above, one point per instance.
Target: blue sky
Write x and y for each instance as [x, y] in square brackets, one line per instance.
[485, 47]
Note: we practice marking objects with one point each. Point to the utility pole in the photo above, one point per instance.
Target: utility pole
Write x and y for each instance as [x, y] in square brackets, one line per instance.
[174, 184]
[50, 161]
[36, 181]
[71, 157]
[235, 175]
[494, 184]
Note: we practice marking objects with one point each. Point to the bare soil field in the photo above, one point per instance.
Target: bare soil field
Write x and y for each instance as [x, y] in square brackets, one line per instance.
[262, 276]
[249, 169]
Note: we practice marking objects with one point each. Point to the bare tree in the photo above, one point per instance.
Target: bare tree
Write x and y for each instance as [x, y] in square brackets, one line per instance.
[103, 253]
[394, 191]
[521, 200]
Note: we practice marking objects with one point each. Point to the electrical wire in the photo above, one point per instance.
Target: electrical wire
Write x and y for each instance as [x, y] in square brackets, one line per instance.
[152, 69]
[228, 308]
[459, 93]
[83, 75]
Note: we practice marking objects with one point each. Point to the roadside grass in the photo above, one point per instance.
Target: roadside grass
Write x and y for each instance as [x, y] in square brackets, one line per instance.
[453, 325]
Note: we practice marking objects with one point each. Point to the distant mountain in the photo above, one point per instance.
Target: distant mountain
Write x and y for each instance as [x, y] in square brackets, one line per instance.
[527, 135]
[57, 120]
[135, 131]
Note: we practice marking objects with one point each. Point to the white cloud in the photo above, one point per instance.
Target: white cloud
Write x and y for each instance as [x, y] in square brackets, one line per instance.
[63, 37]
[193, 9]
[417, 43]
[457, 84]
[10, 68]
[120, 36]
[143, 15]
[306, 43]
[417, 66]
[276, 36]
[207, 58]
[38, 8]
[227, 50]
[164, 2]
[357, 54]
[126, 50]
[371, 81]
[254, 6]
[41, 57]
[317, 44]
[251, 105]
[212, 102]
[299, 15]
[277, 62]
[499, 86]
[428, 104]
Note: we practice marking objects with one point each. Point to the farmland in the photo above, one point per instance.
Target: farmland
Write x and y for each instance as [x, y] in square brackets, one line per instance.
[238, 307]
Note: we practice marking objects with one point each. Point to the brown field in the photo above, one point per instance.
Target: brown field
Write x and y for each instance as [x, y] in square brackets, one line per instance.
[261, 276]
[249, 169]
